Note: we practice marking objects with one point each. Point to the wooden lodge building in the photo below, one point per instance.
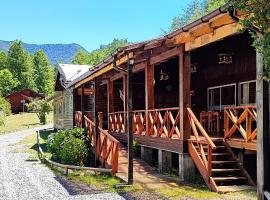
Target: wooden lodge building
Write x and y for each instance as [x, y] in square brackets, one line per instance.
[193, 101]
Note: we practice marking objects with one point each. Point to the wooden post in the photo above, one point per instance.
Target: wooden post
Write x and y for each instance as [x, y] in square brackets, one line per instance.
[110, 99]
[184, 94]
[125, 100]
[82, 106]
[129, 121]
[149, 93]
[262, 104]
[96, 120]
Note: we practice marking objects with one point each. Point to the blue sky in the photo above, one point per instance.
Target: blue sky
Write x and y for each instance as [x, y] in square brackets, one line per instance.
[86, 22]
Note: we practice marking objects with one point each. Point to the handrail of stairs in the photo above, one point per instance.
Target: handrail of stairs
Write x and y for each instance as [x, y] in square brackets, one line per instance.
[107, 147]
[199, 141]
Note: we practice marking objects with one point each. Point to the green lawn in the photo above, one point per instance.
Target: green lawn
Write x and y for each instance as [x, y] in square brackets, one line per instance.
[22, 121]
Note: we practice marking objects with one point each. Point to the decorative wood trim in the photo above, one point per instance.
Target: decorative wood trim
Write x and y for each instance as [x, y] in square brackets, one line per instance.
[164, 56]
[216, 35]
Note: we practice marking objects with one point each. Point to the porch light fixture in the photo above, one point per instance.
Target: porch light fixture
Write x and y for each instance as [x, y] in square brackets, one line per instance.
[225, 58]
[164, 76]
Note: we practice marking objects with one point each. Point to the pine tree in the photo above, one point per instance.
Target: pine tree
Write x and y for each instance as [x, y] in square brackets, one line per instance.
[43, 73]
[19, 63]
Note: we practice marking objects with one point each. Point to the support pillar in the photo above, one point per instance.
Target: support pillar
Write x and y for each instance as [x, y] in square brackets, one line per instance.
[263, 144]
[125, 99]
[186, 167]
[149, 93]
[166, 161]
[184, 95]
[160, 163]
[110, 101]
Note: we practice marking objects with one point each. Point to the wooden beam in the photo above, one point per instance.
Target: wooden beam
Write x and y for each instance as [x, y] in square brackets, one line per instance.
[149, 93]
[105, 69]
[110, 96]
[201, 30]
[164, 56]
[139, 67]
[184, 93]
[182, 38]
[263, 143]
[218, 34]
[222, 20]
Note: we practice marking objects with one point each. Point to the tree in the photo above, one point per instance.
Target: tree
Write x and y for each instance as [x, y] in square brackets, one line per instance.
[96, 56]
[19, 63]
[195, 10]
[257, 20]
[41, 108]
[3, 60]
[7, 82]
[43, 73]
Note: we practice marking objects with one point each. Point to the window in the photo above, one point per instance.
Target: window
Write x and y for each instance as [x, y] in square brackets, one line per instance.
[221, 96]
[247, 93]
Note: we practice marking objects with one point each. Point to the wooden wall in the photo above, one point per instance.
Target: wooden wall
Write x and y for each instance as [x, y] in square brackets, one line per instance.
[210, 73]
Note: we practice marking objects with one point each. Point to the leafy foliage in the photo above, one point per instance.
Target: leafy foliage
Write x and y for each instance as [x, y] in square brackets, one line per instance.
[43, 73]
[41, 107]
[257, 20]
[195, 10]
[69, 146]
[19, 63]
[5, 106]
[100, 54]
[8, 82]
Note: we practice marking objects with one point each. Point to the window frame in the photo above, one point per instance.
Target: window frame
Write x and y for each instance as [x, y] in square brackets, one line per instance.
[220, 106]
[240, 91]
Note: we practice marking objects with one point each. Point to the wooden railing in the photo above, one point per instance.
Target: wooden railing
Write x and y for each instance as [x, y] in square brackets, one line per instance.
[117, 121]
[202, 143]
[78, 119]
[240, 123]
[106, 146]
[163, 122]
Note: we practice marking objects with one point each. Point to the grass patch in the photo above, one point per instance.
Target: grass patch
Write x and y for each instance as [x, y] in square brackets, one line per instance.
[22, 121]
[30, 146]
[197, 192]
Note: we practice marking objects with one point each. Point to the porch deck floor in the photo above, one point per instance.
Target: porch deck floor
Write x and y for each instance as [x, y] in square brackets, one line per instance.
[144, 175]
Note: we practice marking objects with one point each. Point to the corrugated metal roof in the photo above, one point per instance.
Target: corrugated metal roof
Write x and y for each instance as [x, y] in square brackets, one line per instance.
[70, 72]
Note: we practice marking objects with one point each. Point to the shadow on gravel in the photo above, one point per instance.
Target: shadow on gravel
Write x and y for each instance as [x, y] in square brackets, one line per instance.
[76, 187]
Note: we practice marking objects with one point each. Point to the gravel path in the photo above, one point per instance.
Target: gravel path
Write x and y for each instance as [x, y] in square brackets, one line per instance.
[24, 180]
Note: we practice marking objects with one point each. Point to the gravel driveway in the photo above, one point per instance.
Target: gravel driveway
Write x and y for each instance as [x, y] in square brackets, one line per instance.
[24, 180]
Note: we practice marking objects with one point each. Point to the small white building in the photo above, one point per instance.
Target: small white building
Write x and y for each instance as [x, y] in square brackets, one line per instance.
[66, 75]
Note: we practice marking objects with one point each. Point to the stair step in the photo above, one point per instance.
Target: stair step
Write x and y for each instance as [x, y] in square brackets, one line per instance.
[217, 154]
[229, 178]
[225, 170]
[223, 162]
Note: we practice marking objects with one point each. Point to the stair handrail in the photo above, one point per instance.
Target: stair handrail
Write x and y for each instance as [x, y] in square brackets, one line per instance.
[200, 127]
[102, 149]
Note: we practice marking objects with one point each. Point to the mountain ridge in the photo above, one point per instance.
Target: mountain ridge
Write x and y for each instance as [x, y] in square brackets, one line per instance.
[55, 52]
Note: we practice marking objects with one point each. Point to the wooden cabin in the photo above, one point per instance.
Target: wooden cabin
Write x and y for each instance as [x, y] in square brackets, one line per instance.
[63, 99]
[193, 98]
[18, 100]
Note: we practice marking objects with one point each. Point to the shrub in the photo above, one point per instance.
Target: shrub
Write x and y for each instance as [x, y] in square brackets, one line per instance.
[41, 107]
[74, 151]
[2, 118]
[69, 146]
[5, 106]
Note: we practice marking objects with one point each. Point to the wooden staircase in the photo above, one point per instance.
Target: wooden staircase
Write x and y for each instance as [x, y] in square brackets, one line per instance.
[215, 160]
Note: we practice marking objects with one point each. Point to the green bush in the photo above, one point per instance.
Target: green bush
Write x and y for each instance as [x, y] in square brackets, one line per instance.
[69, 146]
[74, 152]
[5, 106]
[2, 118]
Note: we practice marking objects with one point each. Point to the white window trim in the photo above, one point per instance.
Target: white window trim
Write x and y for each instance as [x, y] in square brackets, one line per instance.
[239, 92]
[221, 106]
